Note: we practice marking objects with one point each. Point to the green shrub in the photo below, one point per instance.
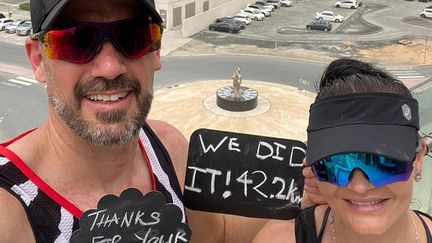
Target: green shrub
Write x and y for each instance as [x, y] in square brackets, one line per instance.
[25, 6]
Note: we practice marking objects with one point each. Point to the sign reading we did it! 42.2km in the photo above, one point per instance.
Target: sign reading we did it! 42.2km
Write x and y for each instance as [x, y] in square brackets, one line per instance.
[243, 174]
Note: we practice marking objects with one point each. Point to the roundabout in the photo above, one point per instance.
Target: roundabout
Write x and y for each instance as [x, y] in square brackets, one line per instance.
[282, 111]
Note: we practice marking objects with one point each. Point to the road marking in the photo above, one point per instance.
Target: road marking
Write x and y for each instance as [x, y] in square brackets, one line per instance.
[19, 82]
[28, 80]
[412, 77]
[398, 68]
[407, 75]
[403, 71]
[11, 84]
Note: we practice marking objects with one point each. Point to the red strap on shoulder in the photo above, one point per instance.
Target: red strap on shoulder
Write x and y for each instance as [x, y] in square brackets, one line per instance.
[44, 187]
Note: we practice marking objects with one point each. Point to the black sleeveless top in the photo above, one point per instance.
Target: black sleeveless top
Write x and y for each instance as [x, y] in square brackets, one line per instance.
[305, 227]
[52, 217]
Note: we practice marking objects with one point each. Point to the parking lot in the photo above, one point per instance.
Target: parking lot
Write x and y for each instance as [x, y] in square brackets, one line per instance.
[381, 16]
[16, 15]
[294, 19]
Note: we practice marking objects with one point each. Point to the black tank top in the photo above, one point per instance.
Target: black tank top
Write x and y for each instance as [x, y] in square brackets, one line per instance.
[305, 227]
[52, 217]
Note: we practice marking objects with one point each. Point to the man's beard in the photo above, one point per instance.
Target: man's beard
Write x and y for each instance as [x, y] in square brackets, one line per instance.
[112, 128]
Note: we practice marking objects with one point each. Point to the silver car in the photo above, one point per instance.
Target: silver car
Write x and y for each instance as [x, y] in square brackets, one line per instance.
[11, 28]
[25, 28]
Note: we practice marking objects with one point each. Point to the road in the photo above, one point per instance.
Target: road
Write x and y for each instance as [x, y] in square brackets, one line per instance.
[24, 102]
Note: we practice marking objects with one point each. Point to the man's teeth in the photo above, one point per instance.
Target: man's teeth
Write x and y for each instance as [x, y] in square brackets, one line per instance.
[107, 98]
[366, 203]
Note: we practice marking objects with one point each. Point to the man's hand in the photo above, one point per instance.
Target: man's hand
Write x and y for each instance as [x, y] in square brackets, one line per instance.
[311, 192]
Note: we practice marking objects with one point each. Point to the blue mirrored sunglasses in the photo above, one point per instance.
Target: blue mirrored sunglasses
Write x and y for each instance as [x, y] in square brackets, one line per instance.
[378, 169]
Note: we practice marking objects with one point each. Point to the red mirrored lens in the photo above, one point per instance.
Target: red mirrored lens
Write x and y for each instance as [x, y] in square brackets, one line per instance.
[79, 44]
[146, 39]
[76, 44]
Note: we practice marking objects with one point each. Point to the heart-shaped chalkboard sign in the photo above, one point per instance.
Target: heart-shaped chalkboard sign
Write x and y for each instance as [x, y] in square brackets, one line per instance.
[133, 217]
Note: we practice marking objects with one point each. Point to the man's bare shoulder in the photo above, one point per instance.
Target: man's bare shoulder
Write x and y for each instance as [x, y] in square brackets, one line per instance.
[14, 225]
[175, 143]
[276, 231]
[165, 131]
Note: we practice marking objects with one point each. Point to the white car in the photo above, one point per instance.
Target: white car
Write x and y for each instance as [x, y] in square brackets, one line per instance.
[255, 15]
[4, 22]
[268, 8]
[243, 17]
[352, 4]
[275, 3]
[329, 16]
[426, 13]
[264, 4]
[286, 3]
[267, 13]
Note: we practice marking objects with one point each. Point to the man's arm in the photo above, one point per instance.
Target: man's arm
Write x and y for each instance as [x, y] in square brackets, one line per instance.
[14, 225]
[206, 227]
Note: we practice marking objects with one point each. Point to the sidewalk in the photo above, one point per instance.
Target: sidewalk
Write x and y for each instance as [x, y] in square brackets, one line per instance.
[171, 40]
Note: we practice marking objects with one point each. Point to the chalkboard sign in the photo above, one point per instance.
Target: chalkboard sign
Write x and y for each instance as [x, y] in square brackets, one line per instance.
[244, 174]
[133, 217]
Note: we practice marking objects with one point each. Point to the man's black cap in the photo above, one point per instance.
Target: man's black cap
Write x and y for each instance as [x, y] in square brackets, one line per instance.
[44, 12]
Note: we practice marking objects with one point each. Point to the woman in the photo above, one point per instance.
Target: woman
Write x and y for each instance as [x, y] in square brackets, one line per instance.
[364, 150]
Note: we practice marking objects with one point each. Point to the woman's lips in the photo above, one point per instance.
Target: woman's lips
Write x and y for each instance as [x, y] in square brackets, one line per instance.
[366, 205]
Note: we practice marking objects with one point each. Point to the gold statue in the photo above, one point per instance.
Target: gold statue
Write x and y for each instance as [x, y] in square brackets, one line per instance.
[237, 79]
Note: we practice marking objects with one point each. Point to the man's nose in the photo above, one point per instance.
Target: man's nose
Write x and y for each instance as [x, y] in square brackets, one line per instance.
[108, 62]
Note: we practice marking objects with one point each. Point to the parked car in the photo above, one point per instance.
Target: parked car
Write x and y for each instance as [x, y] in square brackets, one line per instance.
[258, 6]
[11, 28]
[232, 20]
[265, 12]
[352, 4]
[319, 25]
[426, 13]
[255, 15]
[275, 3]
[264, 4]
[329, 16]
[25, 28]
[286, 3]
[243, 17]
[2, 16]
[4, 22]
[225, 27]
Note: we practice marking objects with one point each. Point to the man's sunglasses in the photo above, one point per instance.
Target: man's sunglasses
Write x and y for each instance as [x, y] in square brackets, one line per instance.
[379, 170]
[81, 42]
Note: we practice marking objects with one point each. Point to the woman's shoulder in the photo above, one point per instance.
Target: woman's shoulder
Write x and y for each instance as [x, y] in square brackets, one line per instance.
[279, 231]
[426, 219]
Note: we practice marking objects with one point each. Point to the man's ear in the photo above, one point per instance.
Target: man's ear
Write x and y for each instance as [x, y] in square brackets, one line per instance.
[34, 54]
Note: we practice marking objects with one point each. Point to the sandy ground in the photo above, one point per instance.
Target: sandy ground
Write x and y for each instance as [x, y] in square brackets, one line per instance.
[388, 53]
[412, 54]
[282, 110]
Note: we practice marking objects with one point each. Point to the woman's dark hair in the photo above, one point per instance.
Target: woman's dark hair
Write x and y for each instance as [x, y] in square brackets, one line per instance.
[346, 76]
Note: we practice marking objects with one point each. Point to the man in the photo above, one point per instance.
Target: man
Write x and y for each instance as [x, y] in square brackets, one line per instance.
[97, 59]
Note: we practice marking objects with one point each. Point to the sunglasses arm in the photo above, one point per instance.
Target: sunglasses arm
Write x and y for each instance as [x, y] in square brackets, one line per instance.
[37, 36]
[428, 141]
